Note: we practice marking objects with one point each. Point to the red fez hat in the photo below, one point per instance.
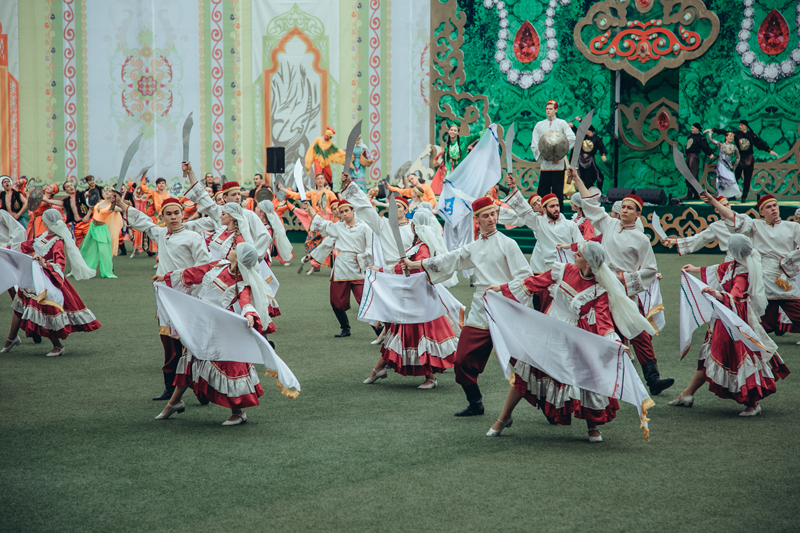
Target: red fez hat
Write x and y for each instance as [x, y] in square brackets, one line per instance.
[635, 199]
[720, 198]
[171, 201]
[764, 199]
[401, 200]
[341, 203]
[533, 198]
[482, 204]
[331, 129]
[549, 198]
[553, 103]
[230, 186]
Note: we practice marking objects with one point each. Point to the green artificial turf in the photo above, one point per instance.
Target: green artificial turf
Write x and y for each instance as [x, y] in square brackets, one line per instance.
[81, 450]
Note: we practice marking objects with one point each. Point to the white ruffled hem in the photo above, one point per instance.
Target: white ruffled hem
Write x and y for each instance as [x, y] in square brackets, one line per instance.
[410, 356]
[734, 382]
[208, 372]
[56, 322]
[556, 395]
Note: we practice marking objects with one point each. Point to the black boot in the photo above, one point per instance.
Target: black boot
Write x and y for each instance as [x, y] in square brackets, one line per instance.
[344, 323]
[37, 339]
[122, 250]
[169, 388]
[653, 378]
[475, 400]
[165, 395]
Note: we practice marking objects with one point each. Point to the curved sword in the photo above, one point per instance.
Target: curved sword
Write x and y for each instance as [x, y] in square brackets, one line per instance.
[580, 135]
[126, 162]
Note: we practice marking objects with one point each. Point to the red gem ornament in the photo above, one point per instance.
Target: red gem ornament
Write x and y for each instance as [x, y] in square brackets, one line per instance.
[526, 43]
[644, 3]
[662, 121]
[773, 34]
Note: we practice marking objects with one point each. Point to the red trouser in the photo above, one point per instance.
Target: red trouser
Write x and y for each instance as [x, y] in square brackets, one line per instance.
[770, 320]
[643, 343]
[173, 350]
[340, 293]
[473, 351]
[642, 347]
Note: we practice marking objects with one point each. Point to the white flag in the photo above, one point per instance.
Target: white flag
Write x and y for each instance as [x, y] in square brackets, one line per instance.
[269, 277]
[18, 269]
[399, 299]
[653, 305]
[211, 333]
[697, 309]
[472, 178]
[565, 352]
[15, 269]
[564, 255]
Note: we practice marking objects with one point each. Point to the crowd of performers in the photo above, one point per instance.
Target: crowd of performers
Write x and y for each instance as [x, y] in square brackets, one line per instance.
[594, 272]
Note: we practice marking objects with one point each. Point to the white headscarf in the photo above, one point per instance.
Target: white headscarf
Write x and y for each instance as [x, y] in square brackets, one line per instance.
[80, 270]
[278, 231]
[617, 207]
[624, 311]
[426, 206]
[5, 178]
[576, 199]
[236, 211]
[426, 229]
[741, 249]
[247, 261]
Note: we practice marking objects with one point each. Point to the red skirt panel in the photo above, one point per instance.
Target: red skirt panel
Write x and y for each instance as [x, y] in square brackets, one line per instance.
[225, 383]
[50, 321]
[560, 402]
[736, 373]
[420, 349]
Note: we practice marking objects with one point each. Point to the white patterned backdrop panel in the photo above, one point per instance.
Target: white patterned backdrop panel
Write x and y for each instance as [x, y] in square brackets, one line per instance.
[143, 72]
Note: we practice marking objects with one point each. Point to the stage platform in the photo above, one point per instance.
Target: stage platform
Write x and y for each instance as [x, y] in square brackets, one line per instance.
[677, 220]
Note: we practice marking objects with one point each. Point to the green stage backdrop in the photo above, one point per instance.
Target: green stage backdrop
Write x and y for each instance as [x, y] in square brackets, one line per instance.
[678, 62]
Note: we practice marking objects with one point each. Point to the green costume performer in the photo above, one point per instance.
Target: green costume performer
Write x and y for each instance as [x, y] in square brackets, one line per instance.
[454, 153]
[96, 246]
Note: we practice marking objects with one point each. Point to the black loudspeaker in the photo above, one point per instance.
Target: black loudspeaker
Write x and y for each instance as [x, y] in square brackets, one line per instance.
[276, 163]
[652, 196]
[615, 195]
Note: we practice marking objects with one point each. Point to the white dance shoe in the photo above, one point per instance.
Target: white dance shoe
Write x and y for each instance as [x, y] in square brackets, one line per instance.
[56, 353]
[177, 408]
[432, 385]
[598, 438]
[682, 401]
[496, 432]
[240, 419]
[15, 342]
[754, 412]
[378, 375]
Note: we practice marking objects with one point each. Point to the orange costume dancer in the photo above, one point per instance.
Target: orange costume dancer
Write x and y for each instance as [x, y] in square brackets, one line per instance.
[35, 225]
[321, 201]
[322, 153]
[427, 193]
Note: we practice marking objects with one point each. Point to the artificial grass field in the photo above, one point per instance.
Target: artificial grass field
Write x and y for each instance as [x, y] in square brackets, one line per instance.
[81, 450]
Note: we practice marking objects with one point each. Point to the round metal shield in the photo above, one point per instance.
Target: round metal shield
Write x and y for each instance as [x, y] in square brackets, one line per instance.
[553, 146]
[35, 198]
[264, 194]
[92, 197]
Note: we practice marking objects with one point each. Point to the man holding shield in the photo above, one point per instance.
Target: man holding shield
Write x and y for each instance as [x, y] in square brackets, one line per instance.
[552, 139]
